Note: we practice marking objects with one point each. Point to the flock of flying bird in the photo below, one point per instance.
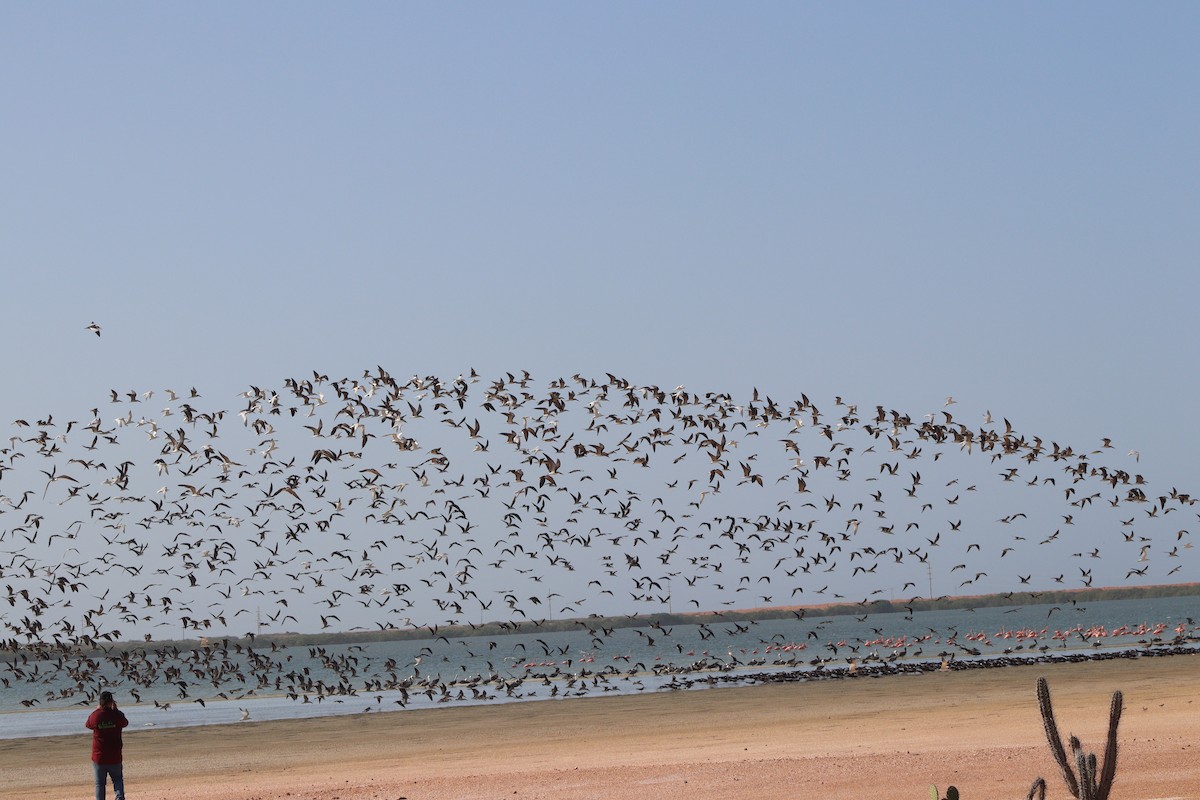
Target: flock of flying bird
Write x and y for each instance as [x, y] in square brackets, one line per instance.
[373, 503]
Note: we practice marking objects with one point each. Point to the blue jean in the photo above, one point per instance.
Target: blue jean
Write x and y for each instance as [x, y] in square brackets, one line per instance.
[103, 773]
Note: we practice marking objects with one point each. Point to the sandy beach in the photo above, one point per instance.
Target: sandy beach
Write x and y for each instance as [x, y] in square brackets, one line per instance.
[866, 737]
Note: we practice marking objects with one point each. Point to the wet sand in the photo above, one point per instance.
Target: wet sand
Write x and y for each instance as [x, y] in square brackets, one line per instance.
[887, 737]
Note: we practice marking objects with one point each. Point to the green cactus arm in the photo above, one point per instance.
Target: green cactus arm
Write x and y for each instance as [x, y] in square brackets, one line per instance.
[1056, 745]
[1086, 782]
[1110, 750]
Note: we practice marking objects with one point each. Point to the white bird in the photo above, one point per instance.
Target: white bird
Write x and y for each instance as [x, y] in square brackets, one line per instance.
[245, 713]
[94, 328]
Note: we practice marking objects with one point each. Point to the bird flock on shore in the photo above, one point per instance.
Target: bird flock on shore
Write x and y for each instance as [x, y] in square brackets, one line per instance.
[372, 503]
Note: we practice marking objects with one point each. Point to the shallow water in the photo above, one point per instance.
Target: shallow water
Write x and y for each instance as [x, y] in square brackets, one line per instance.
[526, 667]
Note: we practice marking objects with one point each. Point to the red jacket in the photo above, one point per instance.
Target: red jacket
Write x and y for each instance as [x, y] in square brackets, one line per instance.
[106, 724]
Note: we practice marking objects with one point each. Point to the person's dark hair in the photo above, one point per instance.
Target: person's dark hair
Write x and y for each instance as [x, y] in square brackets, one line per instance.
[106, 698]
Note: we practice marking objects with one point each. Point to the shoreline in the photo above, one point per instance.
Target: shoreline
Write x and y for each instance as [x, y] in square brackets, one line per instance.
[834, 608]
[887, 736]
[264, 707]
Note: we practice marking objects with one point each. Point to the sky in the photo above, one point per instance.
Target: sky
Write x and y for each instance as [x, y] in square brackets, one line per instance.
[888, 205]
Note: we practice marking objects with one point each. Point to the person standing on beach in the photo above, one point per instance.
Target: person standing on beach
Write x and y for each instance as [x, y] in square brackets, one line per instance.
[106, 723]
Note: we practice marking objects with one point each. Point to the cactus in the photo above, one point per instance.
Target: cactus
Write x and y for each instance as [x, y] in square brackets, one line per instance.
[1083, 782]
[1086, 779]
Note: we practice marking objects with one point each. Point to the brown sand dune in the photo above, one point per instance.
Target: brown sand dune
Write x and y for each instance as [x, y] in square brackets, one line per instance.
[884, 737]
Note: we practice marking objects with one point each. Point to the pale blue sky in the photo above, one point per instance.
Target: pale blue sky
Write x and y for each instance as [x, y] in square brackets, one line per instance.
[889, 203]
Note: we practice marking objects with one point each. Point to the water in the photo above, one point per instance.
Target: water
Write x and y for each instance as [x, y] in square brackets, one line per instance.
[206, 687]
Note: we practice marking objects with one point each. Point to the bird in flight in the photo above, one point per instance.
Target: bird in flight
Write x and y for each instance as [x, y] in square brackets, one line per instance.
[94, 328]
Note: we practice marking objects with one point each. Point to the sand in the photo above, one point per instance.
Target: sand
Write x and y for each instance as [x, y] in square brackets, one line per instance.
[888, 737]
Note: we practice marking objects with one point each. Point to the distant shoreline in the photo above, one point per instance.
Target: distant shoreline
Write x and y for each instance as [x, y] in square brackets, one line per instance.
[912, 606]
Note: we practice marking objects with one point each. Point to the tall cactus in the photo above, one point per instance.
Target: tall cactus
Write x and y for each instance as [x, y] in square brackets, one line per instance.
[1083, 782]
